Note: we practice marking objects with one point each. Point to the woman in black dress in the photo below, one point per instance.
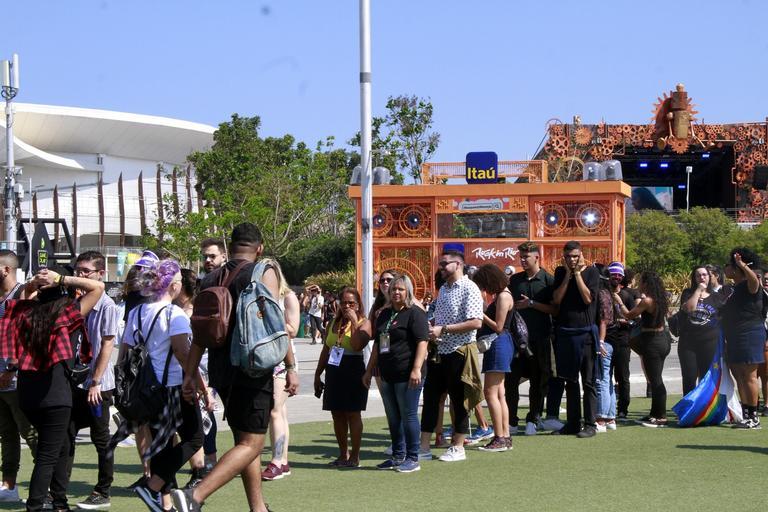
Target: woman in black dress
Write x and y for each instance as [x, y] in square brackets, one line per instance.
[743, 317]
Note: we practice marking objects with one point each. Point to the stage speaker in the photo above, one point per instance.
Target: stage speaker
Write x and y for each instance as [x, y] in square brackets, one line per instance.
[760, 180]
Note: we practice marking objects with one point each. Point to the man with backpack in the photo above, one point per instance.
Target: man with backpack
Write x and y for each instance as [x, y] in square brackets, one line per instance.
[247, 397]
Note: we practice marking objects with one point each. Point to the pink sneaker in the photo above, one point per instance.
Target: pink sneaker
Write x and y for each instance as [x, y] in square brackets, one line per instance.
[272, 473]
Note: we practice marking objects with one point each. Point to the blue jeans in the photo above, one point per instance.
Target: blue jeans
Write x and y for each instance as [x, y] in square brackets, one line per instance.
[401, 404]
[606, 394]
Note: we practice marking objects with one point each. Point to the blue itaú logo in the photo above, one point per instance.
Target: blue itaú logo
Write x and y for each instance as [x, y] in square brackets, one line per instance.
[482, 167]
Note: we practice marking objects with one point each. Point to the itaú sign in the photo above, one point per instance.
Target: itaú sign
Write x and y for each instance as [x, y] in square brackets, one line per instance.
[482, 167]
[494, 253]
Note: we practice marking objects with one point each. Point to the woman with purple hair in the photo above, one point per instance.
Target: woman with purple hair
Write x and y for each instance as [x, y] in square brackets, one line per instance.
[166, 330]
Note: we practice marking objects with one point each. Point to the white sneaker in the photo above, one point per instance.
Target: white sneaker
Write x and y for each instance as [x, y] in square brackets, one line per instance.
[9, 495]
[611, 425]
[553, 424]
[427, 455]
[600, 428]
[454, 454]
[530, 428]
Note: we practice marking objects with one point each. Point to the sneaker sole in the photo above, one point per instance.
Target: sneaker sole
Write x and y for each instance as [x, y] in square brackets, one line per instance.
[269, 479]
[651, 425]
[483, 448]
[453, 459]
[149, 500]
[86, 506]
[408, 470]
[179, 500]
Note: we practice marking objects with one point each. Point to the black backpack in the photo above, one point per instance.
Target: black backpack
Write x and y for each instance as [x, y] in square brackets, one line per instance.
[138, 394]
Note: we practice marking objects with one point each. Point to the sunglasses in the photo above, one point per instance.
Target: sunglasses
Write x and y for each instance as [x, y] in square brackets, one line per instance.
[385, 280]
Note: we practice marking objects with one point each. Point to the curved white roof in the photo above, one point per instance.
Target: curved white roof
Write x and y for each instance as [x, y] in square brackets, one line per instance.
[42, 130]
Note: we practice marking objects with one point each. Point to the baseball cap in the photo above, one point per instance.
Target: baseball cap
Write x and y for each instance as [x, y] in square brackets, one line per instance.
[148, 259]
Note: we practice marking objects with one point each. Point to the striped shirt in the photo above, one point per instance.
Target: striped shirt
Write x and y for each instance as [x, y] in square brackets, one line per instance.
[102, 323]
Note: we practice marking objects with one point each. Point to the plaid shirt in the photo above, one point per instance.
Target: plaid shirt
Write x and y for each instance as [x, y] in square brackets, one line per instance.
[16, 325]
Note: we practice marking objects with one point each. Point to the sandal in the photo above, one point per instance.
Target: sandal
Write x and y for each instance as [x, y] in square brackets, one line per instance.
[349, 464]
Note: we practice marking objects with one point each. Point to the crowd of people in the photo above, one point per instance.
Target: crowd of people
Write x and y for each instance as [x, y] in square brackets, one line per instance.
[570, 332]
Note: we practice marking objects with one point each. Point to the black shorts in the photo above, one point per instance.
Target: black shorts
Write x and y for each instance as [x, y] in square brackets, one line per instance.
[248, 409]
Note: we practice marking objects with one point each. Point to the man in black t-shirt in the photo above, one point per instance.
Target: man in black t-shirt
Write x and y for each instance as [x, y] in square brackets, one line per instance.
[247, 401]
[575, 291]
[532, 291]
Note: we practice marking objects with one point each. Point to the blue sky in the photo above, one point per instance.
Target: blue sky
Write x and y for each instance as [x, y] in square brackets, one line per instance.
[496, 71]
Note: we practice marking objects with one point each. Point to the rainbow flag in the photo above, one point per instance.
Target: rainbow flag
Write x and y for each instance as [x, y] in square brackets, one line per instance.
[713, 399]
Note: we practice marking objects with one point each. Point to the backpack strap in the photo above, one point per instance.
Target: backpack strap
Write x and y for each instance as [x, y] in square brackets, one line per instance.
[258, 272]
[170, 349]
[230, 276]
[151, 327]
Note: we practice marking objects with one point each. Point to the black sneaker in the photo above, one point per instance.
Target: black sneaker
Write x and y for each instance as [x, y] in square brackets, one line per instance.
[589, 431]
[152, 499]
[197, 477]
[183, 501]
[96, 501]
[565, 431]
[749, 424]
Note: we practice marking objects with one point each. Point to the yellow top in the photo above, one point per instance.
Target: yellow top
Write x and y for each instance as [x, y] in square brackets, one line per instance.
[346, 337]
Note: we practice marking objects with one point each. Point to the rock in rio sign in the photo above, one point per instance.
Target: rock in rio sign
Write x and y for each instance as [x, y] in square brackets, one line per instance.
[494, 253]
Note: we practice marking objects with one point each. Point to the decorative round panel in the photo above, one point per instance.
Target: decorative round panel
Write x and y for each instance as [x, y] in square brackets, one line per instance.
[382, 221]
[414, 221]
[592, 218]
[555, 218]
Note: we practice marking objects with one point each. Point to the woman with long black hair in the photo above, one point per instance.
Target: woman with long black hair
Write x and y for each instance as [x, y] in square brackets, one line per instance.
[47, 336]
[655, 342]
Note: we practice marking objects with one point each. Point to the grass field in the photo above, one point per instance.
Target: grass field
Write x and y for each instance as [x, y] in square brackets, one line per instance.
[634, 468]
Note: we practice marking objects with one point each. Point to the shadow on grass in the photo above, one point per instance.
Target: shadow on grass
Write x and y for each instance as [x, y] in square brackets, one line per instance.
[324, 449]
[728, 448]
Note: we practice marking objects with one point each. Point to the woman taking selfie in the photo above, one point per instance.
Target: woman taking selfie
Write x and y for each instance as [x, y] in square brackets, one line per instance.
[743, 317]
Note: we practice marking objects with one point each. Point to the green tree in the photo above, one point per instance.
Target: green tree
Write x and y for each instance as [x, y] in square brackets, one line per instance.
[291, 191]
[403, 139]
[655, 242]
[709, 231]
[410, 120]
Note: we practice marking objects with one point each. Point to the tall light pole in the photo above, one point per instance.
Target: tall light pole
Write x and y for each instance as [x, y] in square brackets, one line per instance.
[366, 200]
[9, 71]
[688, 171]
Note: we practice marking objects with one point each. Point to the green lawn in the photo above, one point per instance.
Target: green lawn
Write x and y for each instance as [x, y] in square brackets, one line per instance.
[634, 468]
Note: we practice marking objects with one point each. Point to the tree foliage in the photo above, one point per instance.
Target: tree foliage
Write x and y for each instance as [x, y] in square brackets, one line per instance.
[291, 191]
[709, 231]
[655, 242]
[403, 139]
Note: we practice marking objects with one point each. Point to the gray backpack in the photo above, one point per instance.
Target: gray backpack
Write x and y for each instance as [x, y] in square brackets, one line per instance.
[259, 340]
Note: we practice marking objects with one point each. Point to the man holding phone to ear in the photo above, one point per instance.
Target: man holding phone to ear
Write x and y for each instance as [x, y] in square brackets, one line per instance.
[576, 337]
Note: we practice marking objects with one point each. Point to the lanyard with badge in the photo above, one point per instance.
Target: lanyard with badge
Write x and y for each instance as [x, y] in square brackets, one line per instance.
[384, 336]
[337, 351]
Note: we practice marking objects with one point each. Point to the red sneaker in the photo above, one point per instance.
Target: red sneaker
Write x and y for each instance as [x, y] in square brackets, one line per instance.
[286, 470]
[272, 473]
